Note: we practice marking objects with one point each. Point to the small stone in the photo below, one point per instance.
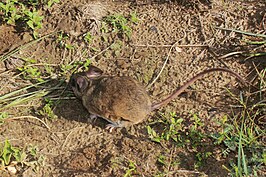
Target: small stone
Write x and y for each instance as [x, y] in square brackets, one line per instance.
[12, 169]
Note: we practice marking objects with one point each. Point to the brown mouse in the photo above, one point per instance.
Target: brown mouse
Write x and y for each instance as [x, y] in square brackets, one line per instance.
[122, 101]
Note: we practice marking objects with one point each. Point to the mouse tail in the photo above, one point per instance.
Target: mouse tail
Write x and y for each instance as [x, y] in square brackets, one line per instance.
[178, 91]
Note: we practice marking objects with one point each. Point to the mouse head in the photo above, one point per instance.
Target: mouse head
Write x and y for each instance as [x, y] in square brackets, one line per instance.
[80, 82]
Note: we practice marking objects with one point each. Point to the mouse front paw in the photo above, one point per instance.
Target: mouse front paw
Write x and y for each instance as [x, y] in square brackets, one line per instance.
[92, 118]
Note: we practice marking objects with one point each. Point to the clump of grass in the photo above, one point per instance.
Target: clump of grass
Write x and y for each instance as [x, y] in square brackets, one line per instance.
[48, 109]
[63, 41]
[172, 129]
[18, 96]
[176, 134]
[24, 13]
[120, 24]
[22, 96]
[131, 169]
[244, 131]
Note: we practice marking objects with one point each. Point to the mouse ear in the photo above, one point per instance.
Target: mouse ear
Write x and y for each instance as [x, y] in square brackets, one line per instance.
[82, 83]
[94, 72]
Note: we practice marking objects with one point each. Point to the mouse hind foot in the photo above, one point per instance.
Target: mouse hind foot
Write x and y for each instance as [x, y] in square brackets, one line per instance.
[118, 124]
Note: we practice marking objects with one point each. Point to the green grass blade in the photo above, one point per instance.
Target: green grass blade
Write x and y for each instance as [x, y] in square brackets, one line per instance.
[244, 162]
[39, 94]
[255, 42]
[20, 90]
[18, 97]
[27, 94]
[255, 54]
[241, 159]
[242, 32]
[239, 154]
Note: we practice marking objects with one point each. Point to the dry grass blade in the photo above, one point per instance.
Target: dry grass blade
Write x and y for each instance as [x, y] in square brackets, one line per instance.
[168, 45]
[28, 117]
[261, 75]
[67, 138]
[230, 54]
[164, 64]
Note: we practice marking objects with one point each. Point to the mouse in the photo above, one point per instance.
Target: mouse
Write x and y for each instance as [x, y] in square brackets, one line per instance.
[122, 100]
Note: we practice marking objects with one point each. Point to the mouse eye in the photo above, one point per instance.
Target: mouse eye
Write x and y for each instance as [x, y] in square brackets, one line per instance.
[73, 82]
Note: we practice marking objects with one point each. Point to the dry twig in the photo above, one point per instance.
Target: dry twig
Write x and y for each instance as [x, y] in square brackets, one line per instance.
[30, 117]
[164, 64]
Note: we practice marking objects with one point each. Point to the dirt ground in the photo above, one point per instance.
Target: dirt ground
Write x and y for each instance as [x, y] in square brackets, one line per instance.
[75, 147]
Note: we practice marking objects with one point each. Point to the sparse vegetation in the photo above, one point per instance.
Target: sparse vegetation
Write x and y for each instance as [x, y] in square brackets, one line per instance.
[173, 127]
[131, 169]
[120, 24]
[3, 116]
[40, 86]
[63, 41]
[239, 134]
[24, 14]
[47, 109]
[88, 37]
[12, 158]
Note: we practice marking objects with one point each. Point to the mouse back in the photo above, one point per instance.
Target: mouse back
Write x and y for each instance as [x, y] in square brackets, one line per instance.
[118, 99]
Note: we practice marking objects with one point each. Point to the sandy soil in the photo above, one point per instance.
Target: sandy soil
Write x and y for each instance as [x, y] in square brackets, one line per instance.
[75, 147]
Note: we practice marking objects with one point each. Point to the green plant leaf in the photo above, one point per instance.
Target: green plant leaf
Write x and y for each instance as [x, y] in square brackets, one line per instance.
[7, 152]
[30, 24]
[19, 155]
[69, 46]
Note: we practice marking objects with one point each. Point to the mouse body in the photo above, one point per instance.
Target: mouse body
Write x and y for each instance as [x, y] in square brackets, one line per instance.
[122, 101]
